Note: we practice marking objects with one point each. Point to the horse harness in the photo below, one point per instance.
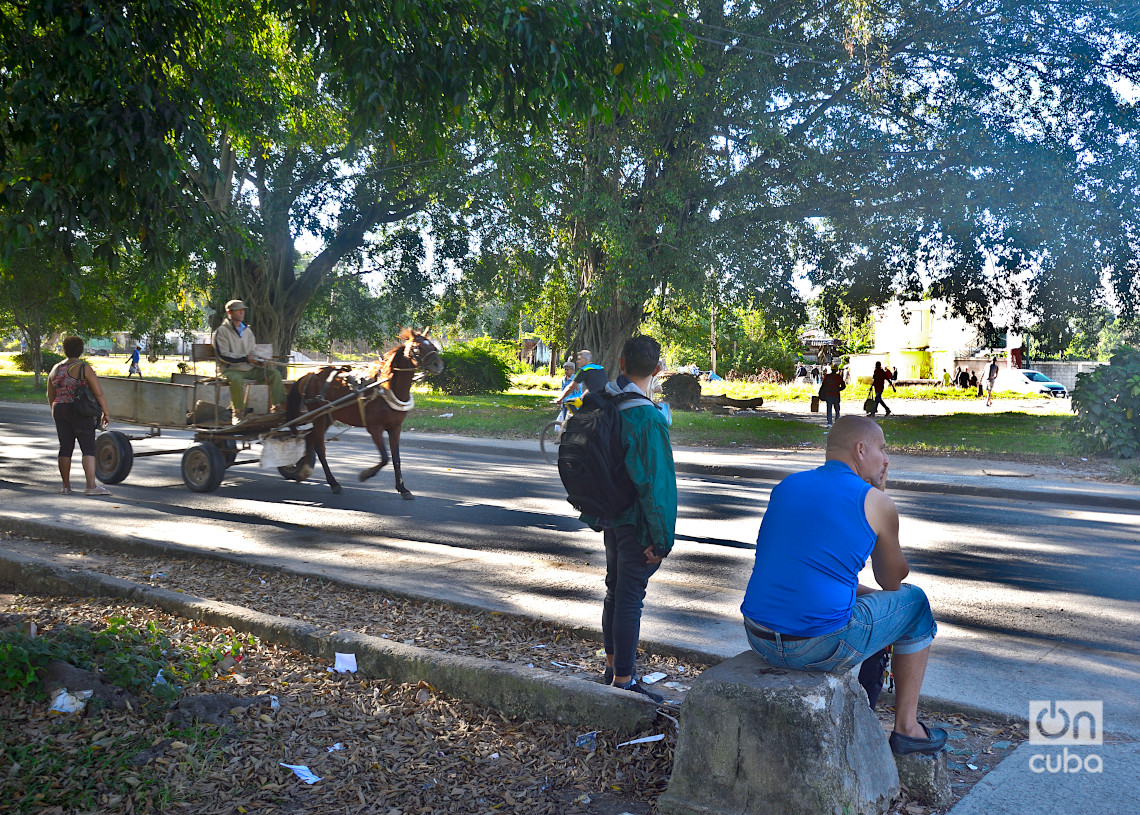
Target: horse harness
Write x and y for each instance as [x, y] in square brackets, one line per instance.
[364, 394]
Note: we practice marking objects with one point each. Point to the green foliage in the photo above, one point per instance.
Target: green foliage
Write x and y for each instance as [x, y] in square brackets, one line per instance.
[128, 657]
[754, 355]
[472, 368]
[25, 360]
[505, 351]
[22, 660]
[1107, 403]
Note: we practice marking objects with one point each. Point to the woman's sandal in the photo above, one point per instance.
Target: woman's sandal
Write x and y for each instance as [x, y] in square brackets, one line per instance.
[97, 490]
[65, 491]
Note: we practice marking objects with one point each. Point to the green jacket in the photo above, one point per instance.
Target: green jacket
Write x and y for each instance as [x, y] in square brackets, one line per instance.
[649, 462]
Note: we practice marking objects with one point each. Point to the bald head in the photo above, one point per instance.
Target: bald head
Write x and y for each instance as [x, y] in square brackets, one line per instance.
[847, 433]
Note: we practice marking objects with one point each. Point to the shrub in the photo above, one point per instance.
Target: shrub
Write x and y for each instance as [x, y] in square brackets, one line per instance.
[506, 351]
[24, 361]
[471, 370]
[1107, 404]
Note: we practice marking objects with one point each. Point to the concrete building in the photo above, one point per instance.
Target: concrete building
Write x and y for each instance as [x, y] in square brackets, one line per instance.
[921, 339]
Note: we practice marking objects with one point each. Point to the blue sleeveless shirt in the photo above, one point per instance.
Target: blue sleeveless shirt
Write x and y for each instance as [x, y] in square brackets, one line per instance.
[813, 542]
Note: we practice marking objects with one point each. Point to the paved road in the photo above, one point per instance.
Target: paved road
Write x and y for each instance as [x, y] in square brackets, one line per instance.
[1028, 569]
[1024, 590]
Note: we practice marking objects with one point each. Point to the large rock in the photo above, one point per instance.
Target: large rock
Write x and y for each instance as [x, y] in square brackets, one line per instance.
[754, 739]
[926, 778]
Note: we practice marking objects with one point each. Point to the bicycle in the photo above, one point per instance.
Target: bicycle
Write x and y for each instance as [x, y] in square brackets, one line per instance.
[551, 432]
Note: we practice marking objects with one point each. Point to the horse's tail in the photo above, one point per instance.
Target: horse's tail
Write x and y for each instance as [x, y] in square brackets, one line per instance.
[293, 401]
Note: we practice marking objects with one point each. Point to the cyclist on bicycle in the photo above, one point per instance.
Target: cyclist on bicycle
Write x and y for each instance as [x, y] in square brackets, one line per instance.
[590, 377]
[574, 400]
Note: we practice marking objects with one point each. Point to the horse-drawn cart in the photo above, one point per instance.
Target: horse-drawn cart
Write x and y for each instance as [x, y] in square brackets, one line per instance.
[290, 443]
[201, 405]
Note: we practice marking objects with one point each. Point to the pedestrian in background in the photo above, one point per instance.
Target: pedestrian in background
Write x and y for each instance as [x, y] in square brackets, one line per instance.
[829, 392]
[991, 379]
[134, 366]
[879, 380]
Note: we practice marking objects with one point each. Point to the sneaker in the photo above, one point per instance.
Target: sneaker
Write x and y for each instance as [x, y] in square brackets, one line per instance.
[905, 745]
[608, 676]
[637, 687]
[97, 490]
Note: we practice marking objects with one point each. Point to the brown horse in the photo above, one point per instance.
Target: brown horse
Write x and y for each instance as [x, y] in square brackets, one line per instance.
[379, 408]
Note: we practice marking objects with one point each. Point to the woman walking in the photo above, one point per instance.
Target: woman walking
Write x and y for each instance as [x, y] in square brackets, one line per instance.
[70, 427]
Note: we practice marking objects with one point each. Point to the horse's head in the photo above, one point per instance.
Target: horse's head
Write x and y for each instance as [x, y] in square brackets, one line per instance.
[421, 351]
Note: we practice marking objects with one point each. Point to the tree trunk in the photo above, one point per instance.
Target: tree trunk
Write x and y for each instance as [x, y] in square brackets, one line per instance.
[35, 348]
[273, 309]
[603, 331]
[712, 337]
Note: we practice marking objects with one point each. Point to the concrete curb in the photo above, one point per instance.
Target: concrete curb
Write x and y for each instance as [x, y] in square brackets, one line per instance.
[528, 692]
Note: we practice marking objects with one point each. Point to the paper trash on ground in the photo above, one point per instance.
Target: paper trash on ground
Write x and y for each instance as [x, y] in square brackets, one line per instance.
[345, 663]
[644, 740]
[335, 747]
[64, 702]
[302, 772]
[653, 677]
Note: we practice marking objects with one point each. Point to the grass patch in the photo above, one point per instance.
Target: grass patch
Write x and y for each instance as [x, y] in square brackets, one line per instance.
[502, 415]
[522, 415]
[988, 434]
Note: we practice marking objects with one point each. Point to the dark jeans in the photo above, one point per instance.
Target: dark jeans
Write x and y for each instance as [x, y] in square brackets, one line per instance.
[69, 427]
[879, 401]
[832, 404]
[627, 575]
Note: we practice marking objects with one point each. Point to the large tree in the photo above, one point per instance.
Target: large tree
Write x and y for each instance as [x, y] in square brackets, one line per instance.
[253, 121]
[984, 150]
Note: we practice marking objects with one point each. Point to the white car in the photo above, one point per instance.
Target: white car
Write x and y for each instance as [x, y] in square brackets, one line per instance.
[1024, 380]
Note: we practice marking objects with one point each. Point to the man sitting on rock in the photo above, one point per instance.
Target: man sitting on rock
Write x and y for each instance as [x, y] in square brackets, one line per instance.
[804, 608]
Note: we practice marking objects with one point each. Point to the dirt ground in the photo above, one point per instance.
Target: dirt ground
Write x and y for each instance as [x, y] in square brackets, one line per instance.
[405, 748]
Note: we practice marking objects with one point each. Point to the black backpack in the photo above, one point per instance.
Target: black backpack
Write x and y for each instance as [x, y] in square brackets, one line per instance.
[591, 461]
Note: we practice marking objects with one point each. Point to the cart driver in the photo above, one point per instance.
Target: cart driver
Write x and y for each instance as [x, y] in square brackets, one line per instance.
[235, 348]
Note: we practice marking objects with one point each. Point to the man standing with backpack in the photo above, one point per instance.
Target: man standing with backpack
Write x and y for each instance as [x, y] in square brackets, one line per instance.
[640, 535]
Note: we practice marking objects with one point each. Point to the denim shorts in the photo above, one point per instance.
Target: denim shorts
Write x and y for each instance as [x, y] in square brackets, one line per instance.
[901, 618]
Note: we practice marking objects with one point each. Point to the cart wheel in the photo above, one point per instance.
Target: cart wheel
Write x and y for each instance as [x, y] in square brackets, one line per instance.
[229, 451]
[301, 470]
[114, 457]
[203, 466]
